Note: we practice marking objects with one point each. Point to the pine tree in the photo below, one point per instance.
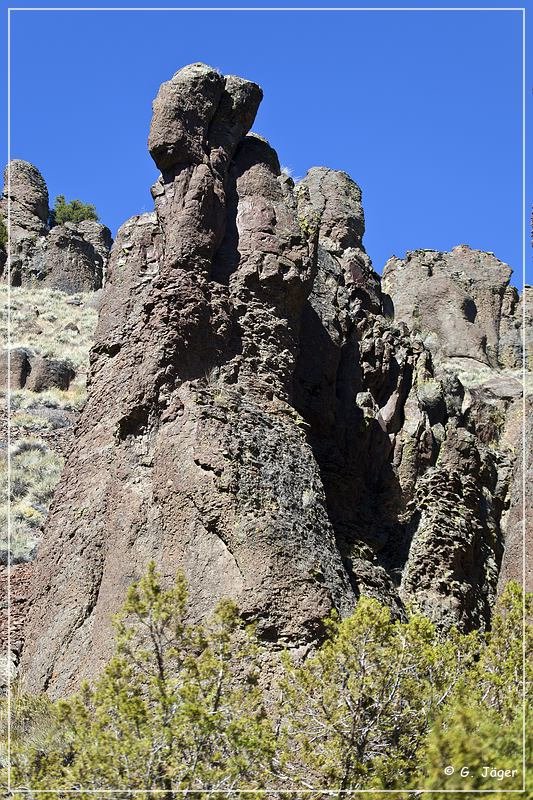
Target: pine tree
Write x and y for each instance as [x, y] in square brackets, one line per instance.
[481, 728]
[382, 704]
[356, 713]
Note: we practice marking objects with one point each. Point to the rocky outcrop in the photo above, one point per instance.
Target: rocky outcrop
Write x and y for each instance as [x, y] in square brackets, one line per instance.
[25, 188]
[470, 319]
[262, 417]
[69, 257]
[14, 368]
[49, 373]
[461, 301]
[36, 373]
[27, 196]
[330, 200]
[206, 462]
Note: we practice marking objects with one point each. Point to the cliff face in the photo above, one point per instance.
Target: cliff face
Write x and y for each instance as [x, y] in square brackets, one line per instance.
[261, 416]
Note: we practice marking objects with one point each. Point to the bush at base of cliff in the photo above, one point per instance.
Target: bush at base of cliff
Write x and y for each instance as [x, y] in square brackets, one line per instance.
[178, 707]
[71, 211]
[481, 731]
[380, 705]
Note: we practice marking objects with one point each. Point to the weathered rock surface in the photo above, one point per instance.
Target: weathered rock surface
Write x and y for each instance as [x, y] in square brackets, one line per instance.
[26, 193]
[49, 373]
[458, 301]
[67, 260]
[36, 373]
[258, 417]
[14, 368]
[330, 199]
[205, 463]
[517, 563]
[69, 257]
[24, 186]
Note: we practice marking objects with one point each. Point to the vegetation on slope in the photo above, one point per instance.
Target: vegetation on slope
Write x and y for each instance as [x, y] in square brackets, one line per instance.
[50, 323]
[382, 704]
[58, 326]
[35, 471]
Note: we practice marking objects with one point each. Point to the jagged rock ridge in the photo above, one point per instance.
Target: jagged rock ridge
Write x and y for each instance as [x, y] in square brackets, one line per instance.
[257, 420]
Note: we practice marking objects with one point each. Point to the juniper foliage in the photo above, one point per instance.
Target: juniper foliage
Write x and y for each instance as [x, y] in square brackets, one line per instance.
[381, 704]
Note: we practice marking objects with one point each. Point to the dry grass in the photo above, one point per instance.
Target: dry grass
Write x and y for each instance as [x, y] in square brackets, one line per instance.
[27, 719]
[35, 471]
[23, 400]
[52, 324]
[49, 323]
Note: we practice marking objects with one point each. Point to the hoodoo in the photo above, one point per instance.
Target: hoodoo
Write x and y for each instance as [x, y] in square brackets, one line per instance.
[263, 416]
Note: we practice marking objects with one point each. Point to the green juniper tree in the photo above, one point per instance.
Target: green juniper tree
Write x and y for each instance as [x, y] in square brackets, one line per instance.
[71, 211]
[356, 713]
[381, 704]
[480, 731]
[178, 707]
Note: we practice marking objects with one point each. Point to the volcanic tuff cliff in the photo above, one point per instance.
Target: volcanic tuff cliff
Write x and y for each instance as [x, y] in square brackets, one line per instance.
[264, 415]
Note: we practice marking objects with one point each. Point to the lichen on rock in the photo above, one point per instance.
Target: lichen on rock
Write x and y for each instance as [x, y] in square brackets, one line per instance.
[263, 416]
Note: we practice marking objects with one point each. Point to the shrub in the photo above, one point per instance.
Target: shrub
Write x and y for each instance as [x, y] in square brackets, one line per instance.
[382, 704]
[3, 234]
[71, 211]
[480, 728]
[178, 706]
[357, 712]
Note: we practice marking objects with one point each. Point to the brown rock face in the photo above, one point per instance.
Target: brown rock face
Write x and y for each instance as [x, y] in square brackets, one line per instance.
[332, 199]
[517, 563]
[68, 257]
[456, 300]
[25, 187]
[49, 373]
[36, 373]
[14, 368]
[68, 260]
[26, 193]
[189, 451]
[258, 418]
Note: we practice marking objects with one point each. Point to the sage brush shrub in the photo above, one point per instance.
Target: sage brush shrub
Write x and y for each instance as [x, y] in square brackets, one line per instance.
[381, 704]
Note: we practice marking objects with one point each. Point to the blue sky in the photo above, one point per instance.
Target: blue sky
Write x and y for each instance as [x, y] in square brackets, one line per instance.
[423, 109]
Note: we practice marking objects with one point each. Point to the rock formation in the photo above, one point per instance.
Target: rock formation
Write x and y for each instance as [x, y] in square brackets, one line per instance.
[36, 373]
[462, 302]
[69, 257]
[517, 563]
[257, 415]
